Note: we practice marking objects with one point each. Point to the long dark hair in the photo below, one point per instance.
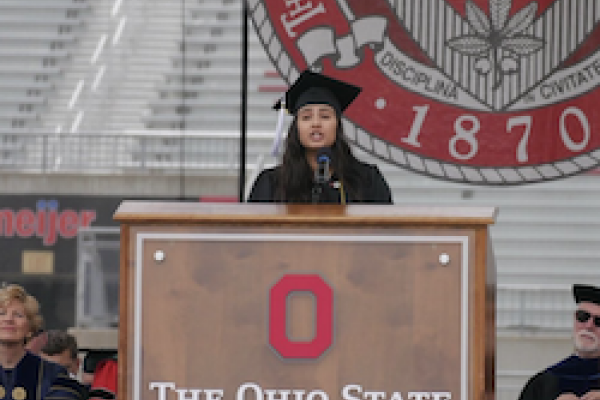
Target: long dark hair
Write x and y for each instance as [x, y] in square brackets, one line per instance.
[295, 179]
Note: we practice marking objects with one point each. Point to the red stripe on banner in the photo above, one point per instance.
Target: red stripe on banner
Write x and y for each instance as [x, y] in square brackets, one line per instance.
[272, 88]
[595, 171]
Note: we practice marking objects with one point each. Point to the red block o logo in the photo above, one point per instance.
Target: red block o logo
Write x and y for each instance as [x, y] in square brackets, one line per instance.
[278, 338]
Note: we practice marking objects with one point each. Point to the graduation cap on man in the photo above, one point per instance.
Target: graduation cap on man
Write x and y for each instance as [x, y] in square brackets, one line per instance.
[586, 294]
[314, 88]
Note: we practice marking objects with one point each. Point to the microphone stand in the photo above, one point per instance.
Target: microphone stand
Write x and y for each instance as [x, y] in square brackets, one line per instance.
[316, 192]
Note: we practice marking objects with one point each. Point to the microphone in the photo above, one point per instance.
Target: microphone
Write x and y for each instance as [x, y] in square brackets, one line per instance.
[323, 171]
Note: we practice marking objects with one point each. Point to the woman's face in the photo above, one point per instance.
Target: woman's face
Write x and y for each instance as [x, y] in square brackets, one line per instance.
[14, 324]
[317, 126]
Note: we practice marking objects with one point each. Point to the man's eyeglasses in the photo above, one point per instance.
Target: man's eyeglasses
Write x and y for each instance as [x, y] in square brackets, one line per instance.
[584, 316]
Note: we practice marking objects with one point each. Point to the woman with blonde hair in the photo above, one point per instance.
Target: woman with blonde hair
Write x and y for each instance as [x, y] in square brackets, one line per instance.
[24, 375]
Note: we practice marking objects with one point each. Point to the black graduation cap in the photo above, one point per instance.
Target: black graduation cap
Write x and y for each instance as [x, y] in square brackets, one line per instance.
[315, 88]
[586, 293]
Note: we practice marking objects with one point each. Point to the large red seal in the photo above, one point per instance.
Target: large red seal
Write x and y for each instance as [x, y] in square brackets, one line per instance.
[494, 92]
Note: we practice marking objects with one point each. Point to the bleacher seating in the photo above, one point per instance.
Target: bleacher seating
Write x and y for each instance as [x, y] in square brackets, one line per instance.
[40, 6]
[36, 38]
[210, 59]
[12, 148]
[160, 65]
[46, 21]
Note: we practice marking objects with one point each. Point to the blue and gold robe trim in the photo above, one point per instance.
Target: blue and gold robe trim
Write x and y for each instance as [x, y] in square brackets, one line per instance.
[36, 379]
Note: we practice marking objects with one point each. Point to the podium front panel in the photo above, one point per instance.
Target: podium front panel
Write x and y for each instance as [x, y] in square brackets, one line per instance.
[296, 313]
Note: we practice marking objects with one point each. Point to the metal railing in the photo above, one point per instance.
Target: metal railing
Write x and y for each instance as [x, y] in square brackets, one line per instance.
[169, 151]
[534, 308]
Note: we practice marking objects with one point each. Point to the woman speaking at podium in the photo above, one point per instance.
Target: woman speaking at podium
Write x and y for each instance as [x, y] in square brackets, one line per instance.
[317, 164]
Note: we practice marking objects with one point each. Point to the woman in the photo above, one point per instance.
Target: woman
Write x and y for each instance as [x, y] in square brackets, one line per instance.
[24, 375]
[317, 103]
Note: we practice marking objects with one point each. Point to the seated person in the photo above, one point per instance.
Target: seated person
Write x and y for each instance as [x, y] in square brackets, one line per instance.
[577, 376]
[25, 375]
[61, 348]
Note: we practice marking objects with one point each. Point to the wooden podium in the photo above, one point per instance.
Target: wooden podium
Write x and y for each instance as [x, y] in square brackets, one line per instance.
[300, 302]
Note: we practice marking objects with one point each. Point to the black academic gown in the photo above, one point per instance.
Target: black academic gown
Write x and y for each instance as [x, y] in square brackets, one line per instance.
[374, 188]
[36, 379]
[572, 375]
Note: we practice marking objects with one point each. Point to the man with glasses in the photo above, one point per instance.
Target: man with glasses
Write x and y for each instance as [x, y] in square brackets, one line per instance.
[577, 376]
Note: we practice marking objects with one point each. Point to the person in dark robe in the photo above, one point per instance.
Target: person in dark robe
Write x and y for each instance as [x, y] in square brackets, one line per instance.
[317, 102]
[61, 348]
[24, 375]
[577, 376]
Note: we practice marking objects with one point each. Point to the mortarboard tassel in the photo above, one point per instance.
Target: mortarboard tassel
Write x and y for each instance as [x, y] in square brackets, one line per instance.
[276, 148]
